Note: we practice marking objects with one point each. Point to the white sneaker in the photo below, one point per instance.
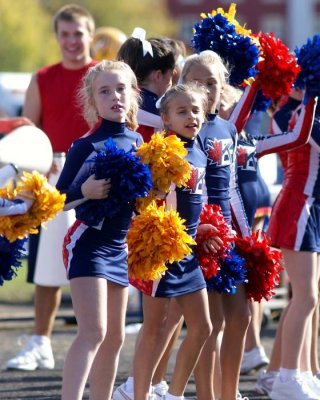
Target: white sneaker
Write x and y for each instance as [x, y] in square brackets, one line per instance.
[33, 356]
[122, 393]
[160, 389]
[313, 383]
[253, 359]
[239, 397]
[293, 389]
[265, 381]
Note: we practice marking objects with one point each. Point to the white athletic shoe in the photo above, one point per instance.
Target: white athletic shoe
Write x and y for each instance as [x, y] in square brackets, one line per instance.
[33, 356]
[122, 393]
[253, 360]
[293, 389]
[239, 397]
[160, 389]
[265, 382]
[313, 383]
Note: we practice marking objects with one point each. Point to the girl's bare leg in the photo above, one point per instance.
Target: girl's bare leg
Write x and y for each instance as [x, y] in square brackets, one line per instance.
[172, 332]
[149, 346]
[302, 271]
[195, 309]
[237, 318]
[105, 365]
[204, 370]
[89, 298]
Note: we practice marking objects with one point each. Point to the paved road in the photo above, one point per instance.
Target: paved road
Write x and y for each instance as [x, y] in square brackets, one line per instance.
[41, 384]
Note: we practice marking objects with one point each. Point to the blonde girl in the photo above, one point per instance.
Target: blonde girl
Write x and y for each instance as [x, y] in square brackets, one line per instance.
[96, 256]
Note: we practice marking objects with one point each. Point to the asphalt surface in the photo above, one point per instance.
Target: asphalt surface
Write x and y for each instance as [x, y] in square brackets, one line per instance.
[43, 384]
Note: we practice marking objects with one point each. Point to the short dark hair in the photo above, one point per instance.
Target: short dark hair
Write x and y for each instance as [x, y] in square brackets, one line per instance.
[71, 13]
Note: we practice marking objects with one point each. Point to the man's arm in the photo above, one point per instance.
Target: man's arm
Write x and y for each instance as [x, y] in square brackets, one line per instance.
[32, 108]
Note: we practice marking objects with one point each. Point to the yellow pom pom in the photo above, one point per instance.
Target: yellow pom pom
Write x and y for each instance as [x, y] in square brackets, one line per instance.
[156, 237]
[230, 16]
[47, 203]
[165, 156]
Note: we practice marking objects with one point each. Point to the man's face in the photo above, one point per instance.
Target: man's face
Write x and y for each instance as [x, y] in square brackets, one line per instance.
[74, 40]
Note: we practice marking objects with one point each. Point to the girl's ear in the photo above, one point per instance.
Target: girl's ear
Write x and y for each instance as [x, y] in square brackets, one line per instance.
[157, 75]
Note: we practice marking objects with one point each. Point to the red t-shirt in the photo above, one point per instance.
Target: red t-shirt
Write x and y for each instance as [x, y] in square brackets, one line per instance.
[61, 116]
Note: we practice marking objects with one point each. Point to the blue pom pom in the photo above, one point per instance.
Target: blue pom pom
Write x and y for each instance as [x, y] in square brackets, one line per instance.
[129, 177]
[216, 33]
[230, 275]
[261, 103]
[10, 258]
[308, 57]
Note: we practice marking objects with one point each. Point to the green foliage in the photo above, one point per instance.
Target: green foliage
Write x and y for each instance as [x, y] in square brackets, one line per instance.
[27, 39]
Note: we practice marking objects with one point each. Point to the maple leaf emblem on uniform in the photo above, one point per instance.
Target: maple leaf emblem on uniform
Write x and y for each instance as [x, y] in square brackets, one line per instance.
[241, 156]
[215, 151]
[192, 182]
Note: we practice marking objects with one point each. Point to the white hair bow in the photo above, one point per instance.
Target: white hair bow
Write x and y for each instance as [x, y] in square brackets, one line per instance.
[140, 33]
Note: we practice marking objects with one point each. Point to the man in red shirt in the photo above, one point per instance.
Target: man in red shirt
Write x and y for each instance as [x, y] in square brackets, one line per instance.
[51, 104]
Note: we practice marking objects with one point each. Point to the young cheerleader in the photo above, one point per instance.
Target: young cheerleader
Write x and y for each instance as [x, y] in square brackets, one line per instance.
[294, 229]
[153, 62]
[219, 139]
[96, 256]
[182, 111]
[251, 148]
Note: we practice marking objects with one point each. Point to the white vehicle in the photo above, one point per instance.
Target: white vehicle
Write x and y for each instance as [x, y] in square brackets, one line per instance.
[13, 86]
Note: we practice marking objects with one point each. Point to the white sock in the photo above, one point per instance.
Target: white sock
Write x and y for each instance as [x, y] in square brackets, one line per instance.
[129, 384]
[288, 374]
[307, 374]
[160, 383]
[41, 339]
[169, 396]
[274, 372]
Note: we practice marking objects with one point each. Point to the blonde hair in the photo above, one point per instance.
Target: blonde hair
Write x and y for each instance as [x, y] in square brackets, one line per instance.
[190, 89]
[205, 58]
[86, 92]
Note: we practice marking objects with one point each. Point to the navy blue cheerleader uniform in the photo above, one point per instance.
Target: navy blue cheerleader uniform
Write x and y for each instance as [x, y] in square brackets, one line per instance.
[98, 251]
[264, 204]
[184, 276]
[250, 148]
[218, 138]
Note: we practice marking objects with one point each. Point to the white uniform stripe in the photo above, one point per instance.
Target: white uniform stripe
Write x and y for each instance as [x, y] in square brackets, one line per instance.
[155, 285]
[73, 239]
[149, 119]
[302, 223]
[312, 173]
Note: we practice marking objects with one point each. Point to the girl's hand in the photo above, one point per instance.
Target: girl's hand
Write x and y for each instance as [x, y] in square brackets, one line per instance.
[214, 243]
[96, 189]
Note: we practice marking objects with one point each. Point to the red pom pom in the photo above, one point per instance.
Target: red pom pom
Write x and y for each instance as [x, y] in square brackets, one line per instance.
[210, 263]
[278, 69]
[263, 266]
[144, 287]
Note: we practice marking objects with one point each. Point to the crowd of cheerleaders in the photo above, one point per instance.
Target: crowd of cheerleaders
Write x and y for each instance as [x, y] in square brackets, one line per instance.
[261, 57]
